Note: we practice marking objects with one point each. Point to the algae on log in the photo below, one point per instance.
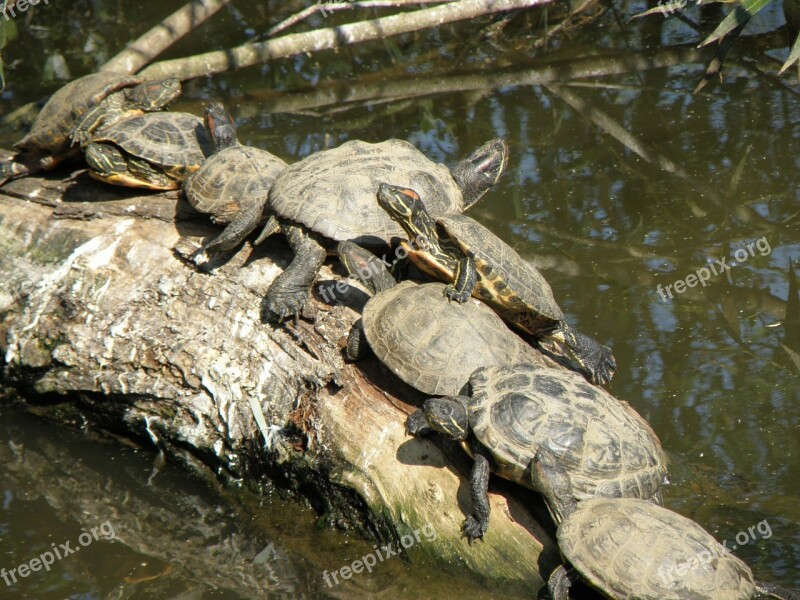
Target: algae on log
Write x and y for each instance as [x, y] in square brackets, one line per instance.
[98, 310]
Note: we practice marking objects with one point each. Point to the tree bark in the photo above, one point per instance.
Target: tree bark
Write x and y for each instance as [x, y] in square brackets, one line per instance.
[99, 311]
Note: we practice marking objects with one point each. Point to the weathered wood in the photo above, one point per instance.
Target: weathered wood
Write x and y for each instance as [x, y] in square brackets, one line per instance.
[98, 308]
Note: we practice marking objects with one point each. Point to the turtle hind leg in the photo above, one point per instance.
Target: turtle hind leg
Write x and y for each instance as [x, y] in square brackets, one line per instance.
[581, 353]
[476, 524]
[559, 583]
[234, 233]
[288, 294]
[770, 590]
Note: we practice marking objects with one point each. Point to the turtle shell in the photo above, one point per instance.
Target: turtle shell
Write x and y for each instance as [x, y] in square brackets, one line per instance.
[631, 549]
[232, 179]
[333, 192]
[607, 449]
[507, 282]
[433, 344]
[175, 142]
[51, 129]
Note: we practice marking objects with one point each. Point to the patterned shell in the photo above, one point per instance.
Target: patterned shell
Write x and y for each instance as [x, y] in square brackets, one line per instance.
[176, 142]
[232, 179]
[333, 192]
[509, 283]
[433, 344]
[606, 448]
[50, 130]
[631, 549]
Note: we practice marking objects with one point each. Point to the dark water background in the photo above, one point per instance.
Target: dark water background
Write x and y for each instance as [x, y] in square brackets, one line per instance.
[707, 367]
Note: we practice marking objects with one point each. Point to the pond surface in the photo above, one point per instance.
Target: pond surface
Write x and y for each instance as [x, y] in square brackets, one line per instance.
[625, 189]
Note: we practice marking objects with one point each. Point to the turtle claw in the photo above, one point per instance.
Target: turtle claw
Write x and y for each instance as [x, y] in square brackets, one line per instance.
[280, 305]
[474, 529]
[460, 296]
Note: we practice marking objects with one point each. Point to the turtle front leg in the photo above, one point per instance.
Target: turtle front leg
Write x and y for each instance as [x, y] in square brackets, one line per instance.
[357, 346]
[288, 294]
[560, 582]
[235, 232]
[475, 525]
[464, 280]
[583, 354]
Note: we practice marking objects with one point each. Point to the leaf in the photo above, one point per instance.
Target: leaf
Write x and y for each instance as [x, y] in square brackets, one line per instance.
[791, 322]
[793, 55]
[738, 17]
[794, 356]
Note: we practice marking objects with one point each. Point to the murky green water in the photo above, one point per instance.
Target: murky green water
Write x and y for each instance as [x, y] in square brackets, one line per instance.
[610, 229]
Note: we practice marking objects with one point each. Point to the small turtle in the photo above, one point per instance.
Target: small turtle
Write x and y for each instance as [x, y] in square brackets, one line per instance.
[330, 195]
[630, 549]
[428, 342]
[458, 249]
[155, 150]
[232, 185]
[48, 142]
[516, 409]
[149, 96]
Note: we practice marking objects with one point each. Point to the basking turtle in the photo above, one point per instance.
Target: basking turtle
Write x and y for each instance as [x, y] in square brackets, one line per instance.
[460, 250]
[517, 409]
[330, 195]
[155, 150]
[428, 342]
[48, 142]
[630, 549]
[233, 184]
[149, 96]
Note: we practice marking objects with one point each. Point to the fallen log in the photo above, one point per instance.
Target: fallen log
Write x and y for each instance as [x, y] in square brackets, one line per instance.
[100, 314]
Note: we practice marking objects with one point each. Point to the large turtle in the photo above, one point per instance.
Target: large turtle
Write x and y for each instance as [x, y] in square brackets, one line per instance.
[428, 342]
[155, 150]
[48, 142]
[330, 195]
[630, 549]
[232, 185]
[516, 409]
[476, 262]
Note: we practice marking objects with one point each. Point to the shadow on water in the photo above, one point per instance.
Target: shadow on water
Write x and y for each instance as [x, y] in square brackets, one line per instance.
[621, 183]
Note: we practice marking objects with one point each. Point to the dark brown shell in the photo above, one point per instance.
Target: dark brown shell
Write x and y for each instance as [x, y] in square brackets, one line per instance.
[50, 130]
[176, 142]
[434, 344]
[634, 550]
[232, 179]
[333, 192]
[606, 448]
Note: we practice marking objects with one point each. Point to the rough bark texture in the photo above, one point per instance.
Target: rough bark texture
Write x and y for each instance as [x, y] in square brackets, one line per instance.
[99, 311]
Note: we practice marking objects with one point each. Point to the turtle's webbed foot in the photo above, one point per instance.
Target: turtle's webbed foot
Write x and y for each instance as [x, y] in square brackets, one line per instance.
[453, 293]
[284, 301]
[474, 528]
[584, 354]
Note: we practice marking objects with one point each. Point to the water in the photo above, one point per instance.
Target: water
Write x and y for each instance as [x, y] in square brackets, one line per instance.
[707, 367]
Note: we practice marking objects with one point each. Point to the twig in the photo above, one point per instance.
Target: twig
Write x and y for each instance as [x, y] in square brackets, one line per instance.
[331, 37]
[143, 50]
[330, 7]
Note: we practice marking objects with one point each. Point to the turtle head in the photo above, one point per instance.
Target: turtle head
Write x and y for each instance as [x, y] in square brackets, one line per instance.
[448, 415]
[154, 95]
[405, 207]
[220, 127]
[480, 170]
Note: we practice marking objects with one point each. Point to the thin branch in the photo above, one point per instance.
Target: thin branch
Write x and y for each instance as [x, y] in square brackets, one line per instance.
[331, 37]
[329, 7]
[143, 50]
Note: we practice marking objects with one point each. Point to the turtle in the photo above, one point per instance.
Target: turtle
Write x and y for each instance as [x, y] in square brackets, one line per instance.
[458, 249]
[329, 197]
[148, 96]
[154, 151]
[48, 142]
[232, 184]
[515, 409]
[428, 342]
[630, 549]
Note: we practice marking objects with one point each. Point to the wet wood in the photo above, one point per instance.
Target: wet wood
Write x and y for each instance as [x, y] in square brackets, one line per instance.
[100, 314]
